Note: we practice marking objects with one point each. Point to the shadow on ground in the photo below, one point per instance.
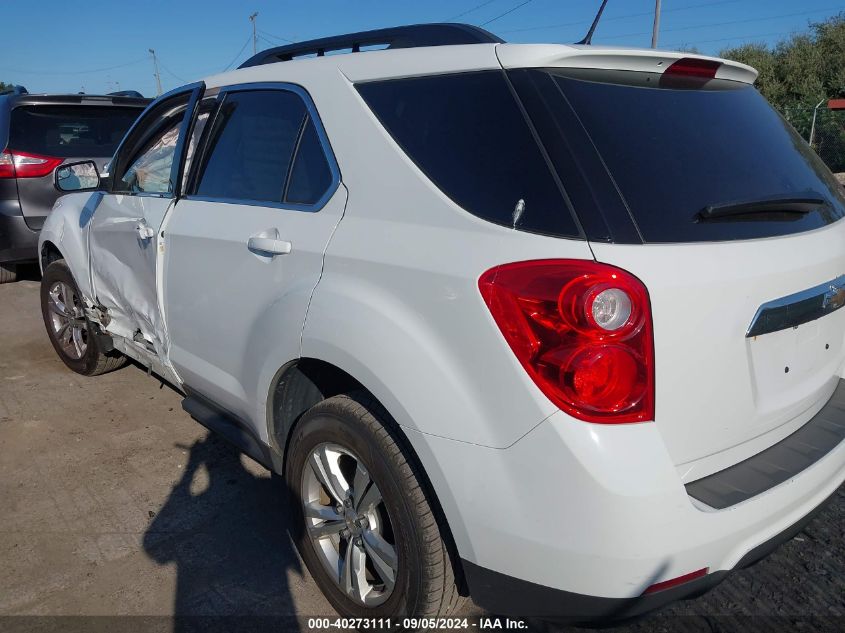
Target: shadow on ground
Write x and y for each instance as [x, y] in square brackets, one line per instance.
[225, 529]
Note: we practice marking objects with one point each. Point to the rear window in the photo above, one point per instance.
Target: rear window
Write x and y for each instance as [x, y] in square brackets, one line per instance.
[467, 133]
[675, 150]
[70, 131]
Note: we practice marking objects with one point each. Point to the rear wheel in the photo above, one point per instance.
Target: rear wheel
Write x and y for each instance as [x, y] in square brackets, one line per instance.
[8, 273]
[364, 525]
[70, 331]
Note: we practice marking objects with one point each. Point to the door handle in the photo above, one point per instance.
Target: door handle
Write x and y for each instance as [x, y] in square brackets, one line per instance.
[268, 246]
[145, 231]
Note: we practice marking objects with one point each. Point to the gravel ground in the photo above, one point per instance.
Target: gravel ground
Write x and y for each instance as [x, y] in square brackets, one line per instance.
[113, 502]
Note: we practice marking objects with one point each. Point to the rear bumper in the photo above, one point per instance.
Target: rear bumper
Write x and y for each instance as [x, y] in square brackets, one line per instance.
[18, 242]
[506, 595]
[576, 521]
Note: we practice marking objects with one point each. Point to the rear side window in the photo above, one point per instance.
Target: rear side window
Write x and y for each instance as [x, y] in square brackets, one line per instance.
[251, 145]
[311, 175]
[677, 149]
[468, 135]
[70, 131]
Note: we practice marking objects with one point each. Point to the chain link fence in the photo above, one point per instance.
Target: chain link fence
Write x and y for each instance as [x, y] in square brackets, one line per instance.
[826, 136]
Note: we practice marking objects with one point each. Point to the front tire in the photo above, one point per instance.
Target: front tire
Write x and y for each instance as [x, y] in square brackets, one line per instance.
[363, 522]
[70, 331]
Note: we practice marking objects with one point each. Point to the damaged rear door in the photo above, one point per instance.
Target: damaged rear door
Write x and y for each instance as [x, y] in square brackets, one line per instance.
[125, 235]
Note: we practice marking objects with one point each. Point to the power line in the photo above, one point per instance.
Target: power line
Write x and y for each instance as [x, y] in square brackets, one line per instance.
[711, 24]
[276, 37]
[620, 17]
[248, 40]
[172, 74]
[72, 72]
[726, 39]
[468, 11]
[264, 39]
[506, 13]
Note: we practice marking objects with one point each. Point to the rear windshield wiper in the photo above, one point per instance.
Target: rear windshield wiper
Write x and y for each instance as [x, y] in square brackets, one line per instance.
[778, 207]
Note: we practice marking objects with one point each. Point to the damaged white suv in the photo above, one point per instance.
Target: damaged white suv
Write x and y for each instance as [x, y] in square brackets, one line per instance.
[555, 327]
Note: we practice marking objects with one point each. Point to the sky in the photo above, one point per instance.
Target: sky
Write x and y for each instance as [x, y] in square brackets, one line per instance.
[101, 46]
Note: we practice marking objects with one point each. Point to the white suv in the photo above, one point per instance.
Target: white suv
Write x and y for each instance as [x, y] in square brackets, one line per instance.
[555, 327]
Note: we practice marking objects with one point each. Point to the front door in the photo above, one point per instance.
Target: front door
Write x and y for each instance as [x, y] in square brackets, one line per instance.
[245, 245]
[125, 235]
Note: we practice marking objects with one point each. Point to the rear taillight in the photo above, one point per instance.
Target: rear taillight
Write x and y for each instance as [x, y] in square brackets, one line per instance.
[693, 67]
[582, 330]
[16, 164]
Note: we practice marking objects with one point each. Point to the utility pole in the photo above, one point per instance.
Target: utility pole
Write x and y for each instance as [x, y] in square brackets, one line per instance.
[656, 28]
[155, 72]
[813, 126]
[254, 34]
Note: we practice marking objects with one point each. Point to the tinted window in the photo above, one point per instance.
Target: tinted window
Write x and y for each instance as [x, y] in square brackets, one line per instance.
[250, 146]
[311, 175]
[675, 149]
[467, 133]
[152, 168]
[145, 160]
[70, 131]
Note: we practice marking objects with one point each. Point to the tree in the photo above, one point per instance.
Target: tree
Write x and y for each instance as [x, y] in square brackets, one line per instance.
[4, 86]
[800, 72]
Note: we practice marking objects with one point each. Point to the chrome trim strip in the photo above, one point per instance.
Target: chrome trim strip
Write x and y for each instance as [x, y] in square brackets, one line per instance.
[801, 307]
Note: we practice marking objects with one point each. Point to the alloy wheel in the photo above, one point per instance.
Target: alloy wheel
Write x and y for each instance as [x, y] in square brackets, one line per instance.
[349, 525]
[67, 319]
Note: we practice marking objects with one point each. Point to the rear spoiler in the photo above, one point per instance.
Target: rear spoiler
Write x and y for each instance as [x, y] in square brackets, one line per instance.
[634, 59]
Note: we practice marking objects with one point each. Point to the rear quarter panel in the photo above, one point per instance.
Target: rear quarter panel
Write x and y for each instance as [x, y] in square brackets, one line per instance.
[398, 305]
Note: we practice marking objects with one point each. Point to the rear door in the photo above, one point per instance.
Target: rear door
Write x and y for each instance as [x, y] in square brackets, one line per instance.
[45, 135]
[125, 230]
[244, 249]
[725, 214]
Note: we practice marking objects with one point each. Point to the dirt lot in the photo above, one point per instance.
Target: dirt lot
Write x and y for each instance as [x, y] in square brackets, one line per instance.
[114, 502]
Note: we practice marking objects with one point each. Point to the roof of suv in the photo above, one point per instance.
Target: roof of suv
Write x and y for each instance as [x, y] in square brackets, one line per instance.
[439, 48]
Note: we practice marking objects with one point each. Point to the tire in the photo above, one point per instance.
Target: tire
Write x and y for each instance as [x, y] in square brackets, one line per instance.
[354, 427]
[8, 273]
[69, 330]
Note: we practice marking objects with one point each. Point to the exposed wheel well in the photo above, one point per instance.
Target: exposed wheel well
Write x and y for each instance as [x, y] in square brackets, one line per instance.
[300, 385]
[297, 387]
[49, 254]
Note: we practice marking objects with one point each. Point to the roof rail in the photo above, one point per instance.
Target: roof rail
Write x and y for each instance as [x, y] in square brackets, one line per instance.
[15, 90]
[411, 36]
[126, 93]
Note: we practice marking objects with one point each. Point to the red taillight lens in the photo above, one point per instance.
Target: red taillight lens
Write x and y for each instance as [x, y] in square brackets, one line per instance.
[15, 164]
[693, 67]
[582, 330]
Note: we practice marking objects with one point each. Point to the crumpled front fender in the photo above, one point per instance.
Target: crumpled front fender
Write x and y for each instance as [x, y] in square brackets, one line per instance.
[66, 228]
